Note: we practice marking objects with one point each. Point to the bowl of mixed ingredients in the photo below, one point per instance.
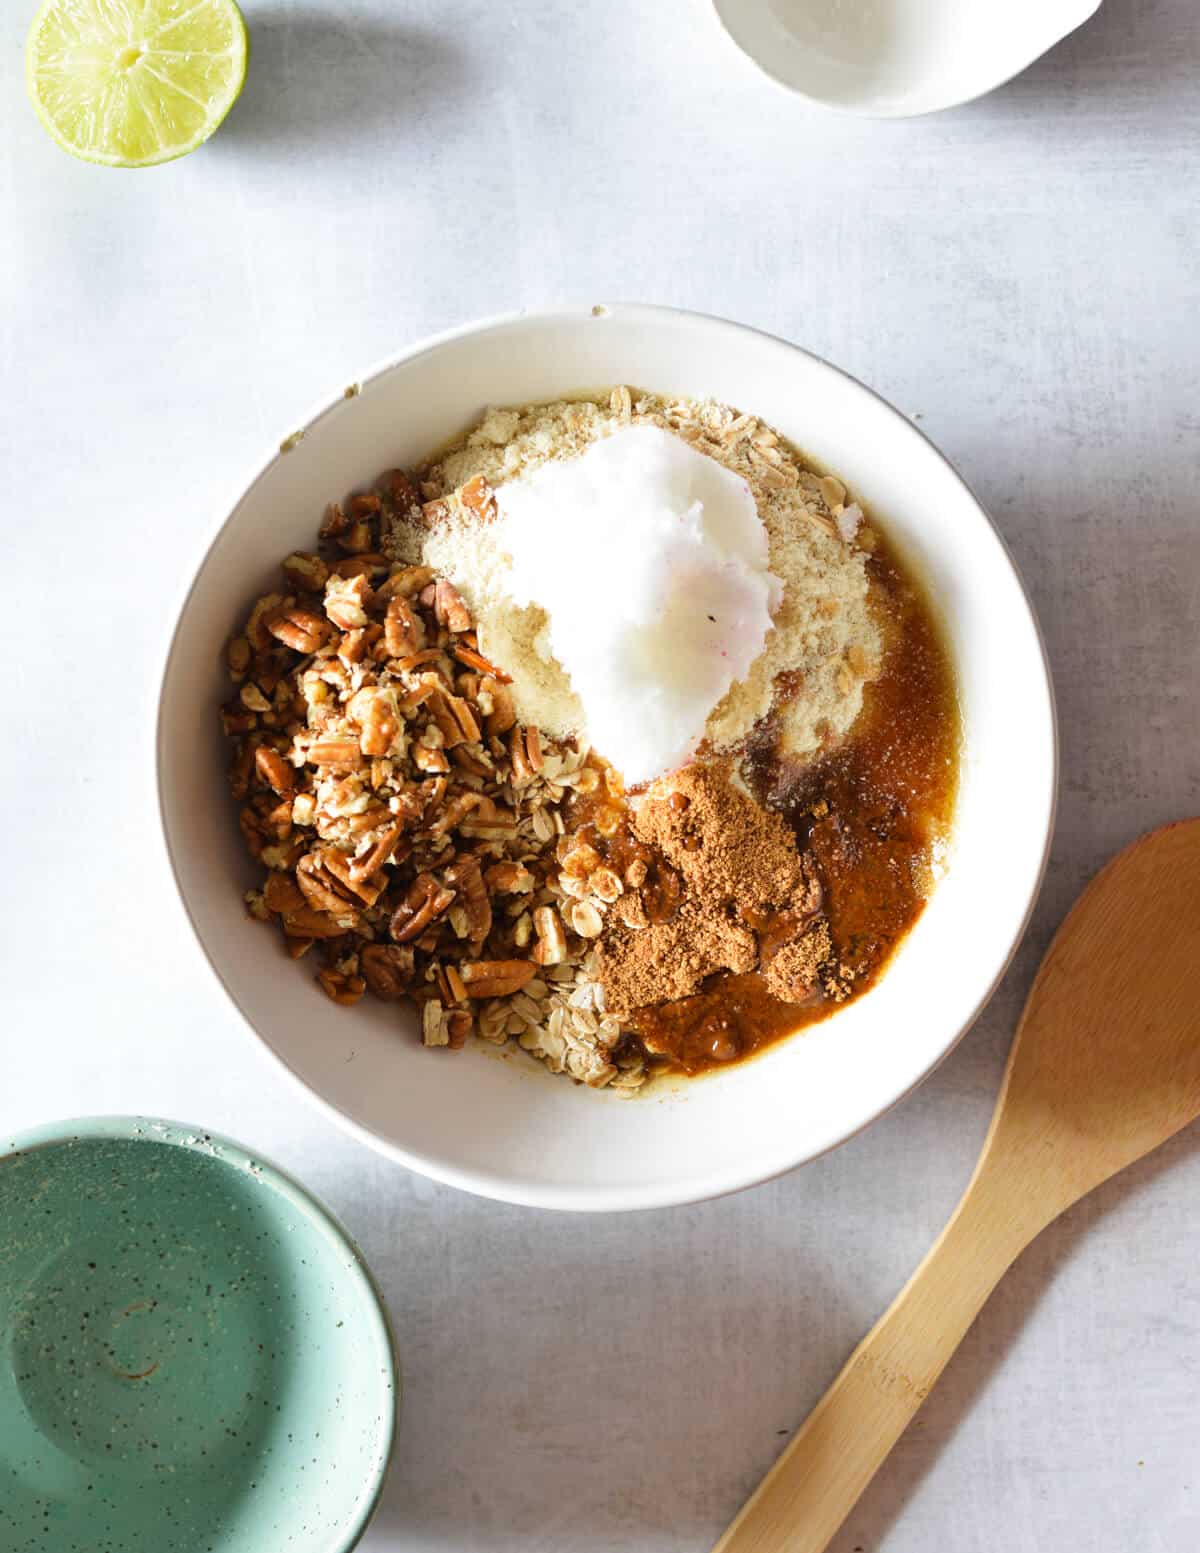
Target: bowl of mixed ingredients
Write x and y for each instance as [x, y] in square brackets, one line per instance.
[607, 756]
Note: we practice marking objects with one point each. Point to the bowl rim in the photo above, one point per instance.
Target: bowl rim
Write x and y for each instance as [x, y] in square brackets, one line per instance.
[496, 1187]
[233, 1155]
[766, 67]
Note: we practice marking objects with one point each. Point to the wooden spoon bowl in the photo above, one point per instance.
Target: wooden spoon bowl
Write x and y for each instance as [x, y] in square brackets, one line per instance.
[1104, 1068]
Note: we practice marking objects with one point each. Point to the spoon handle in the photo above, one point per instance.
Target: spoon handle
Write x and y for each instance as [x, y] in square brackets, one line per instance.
[811, 1489]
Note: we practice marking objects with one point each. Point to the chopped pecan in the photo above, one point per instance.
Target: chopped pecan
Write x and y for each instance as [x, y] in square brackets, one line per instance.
[495, 978]
[344, 990]
[366, 504]
[466, 880]
[236, 719]
[376, 712]
[454, 718]
[402, 631]
[345, 601]
[282, 894]
[509, 879]
[256, 625]
[434, 1028]
[308, 922]
[237, 655]
[321, 890]
[426, 759]
[381, 851]
[334, 752]
[551, 946]
[450, 984]
[250, 827]
[361, 564]
[334, 521]
[400, 489]
[417, 660]
[449, 608]
[273, 769]
[474, 659]
[240, 768]
[300, 629]
[405, 582]
[455, 812]
[387, 969]
[467, 759]
[525, 753]
[306, 572]
[459, 1024]
[504, 713]
[426, 899]
[478, 498]
[367, 887]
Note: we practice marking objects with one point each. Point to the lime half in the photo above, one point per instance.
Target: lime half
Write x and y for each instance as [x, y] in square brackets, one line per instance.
[133, 82]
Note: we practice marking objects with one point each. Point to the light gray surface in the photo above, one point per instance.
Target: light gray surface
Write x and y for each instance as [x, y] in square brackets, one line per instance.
[1023, 276]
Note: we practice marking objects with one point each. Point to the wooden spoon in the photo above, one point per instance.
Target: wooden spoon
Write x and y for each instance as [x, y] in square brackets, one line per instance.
[1104, 1068]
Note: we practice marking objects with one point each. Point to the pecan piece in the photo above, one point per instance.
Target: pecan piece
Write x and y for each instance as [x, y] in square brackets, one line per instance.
[240, 768]
[400, 488]
[465, 879]
[426, 899]
[478, 498]
[455, 812]
[495, 978]
[454, 718]
[256, 625]
[282, 894]
[474, 659]
[308, 922]
[376, 713]
[345, 601]
[459, 1024]
[360, 565]
[525, 753]
[405, 582]
[432, 761]
[334, 752]
[320, 889]
[402, 631]
[509, 879]
[504, 713]
[387, 969]
[306, 572]
[367, 887]
[551, 946]
[344, 990]
[382, 851]
[273, 769]
[237, 656]
[300, 629]
[449, 608]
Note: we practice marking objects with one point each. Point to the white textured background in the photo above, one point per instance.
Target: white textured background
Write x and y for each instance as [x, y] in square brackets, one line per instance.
[1022, 275]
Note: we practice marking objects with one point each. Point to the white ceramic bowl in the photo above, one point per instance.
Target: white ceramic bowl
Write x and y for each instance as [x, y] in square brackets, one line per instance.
[897, 58]
[502, 1126]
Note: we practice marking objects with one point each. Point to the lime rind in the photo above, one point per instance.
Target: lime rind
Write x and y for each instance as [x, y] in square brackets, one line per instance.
[135, 83]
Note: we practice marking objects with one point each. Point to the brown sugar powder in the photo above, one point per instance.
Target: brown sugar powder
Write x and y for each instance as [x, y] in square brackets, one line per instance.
[745, 893]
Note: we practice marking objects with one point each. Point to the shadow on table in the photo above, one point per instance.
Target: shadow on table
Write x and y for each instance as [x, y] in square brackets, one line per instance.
[321, 78]
[601, 1387]
[1128, 45]
[987, 1345]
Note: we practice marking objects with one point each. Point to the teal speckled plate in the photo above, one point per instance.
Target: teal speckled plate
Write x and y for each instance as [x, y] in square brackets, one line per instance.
[193, 1355]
